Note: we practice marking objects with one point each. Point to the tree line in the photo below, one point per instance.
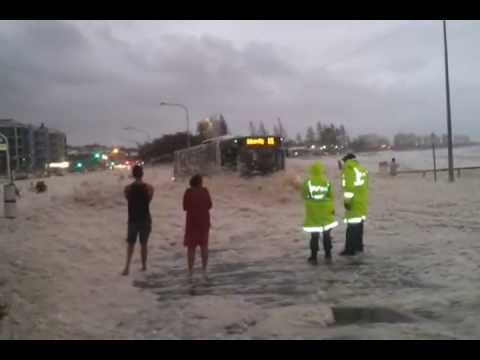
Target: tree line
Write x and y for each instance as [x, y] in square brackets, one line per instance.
[326, 137]
[162, 148]
[261, 130]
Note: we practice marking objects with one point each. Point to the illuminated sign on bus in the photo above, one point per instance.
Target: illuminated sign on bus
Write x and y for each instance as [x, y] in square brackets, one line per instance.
[261, 141]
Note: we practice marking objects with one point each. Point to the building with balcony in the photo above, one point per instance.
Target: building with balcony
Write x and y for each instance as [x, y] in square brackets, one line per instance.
[21, 144]
[32, 148]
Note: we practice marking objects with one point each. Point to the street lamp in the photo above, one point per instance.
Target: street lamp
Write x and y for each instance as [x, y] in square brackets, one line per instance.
[451, 176]
[188, 120]
[131, 128]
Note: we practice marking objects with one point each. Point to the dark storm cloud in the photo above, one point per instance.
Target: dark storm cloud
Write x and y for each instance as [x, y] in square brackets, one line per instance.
[263, 59]
[51, 50]
[93, 78]
[81, 86]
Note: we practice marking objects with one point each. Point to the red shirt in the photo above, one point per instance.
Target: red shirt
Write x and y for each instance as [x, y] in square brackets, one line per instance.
[197, 203]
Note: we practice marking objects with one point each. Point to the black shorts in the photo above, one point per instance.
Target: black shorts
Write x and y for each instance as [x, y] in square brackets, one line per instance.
[138, 230]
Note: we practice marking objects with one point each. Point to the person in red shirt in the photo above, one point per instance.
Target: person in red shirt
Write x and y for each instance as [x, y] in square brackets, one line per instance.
[197, 204]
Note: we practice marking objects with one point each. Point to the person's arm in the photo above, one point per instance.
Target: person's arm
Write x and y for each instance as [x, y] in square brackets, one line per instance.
[348, 187]
[151, 191]
[185, 200]
[330, 194]
[209, 200]
[126, 191]
[304, 190]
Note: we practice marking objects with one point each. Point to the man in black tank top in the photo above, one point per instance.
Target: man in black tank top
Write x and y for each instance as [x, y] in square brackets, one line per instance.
[138, 194]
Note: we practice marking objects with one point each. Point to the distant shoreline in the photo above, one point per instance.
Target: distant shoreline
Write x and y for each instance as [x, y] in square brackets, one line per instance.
[429, 147]
[422, 148]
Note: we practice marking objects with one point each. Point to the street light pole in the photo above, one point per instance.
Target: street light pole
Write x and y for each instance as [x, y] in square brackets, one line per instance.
[187, 115]
[451, 176]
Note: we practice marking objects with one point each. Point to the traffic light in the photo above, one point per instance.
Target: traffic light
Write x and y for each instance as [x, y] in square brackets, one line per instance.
[79, 165]
[97, 156]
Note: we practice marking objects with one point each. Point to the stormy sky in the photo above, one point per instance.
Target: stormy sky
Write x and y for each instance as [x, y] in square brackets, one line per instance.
[92, 78]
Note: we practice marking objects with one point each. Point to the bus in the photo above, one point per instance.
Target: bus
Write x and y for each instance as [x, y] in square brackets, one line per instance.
[245, 155]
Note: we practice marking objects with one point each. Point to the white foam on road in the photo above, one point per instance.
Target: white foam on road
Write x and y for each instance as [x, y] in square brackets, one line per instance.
[60, 261]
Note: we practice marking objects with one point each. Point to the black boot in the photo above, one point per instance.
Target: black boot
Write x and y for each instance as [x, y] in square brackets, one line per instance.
[360, 238]
[327, 246]
[313, 248]
[349, 241]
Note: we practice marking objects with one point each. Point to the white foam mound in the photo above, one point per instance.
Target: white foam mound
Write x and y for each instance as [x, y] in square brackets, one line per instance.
[63, 255]
[99, 194]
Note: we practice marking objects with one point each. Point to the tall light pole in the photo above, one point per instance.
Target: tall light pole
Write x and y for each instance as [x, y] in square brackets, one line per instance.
[188, 120]
[451, 176]
[131, 128]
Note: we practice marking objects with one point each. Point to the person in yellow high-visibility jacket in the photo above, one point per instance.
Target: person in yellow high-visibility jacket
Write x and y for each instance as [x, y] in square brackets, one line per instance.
[317, 194]
[355, 197]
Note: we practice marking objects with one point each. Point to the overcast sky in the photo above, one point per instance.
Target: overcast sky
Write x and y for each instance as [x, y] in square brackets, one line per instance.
[92, 78]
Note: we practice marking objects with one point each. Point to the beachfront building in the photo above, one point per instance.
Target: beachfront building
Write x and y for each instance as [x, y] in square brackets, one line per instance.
[461, 140]
[406, 140]
[57, 142]
[42, 153]
[21, 146]
[32, 148]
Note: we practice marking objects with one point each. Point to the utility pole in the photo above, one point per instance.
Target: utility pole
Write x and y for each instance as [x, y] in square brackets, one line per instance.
[451, 175]
[434, 158]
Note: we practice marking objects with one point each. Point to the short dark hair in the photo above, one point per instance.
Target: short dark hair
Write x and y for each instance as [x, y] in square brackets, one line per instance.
[137, 172]
[349, 156]
[196, 180]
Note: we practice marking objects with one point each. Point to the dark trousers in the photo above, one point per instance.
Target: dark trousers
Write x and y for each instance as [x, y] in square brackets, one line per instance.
[354, 239]
[327, 243]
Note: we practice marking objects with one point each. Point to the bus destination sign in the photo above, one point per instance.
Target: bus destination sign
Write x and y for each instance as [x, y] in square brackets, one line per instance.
[260, 141]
